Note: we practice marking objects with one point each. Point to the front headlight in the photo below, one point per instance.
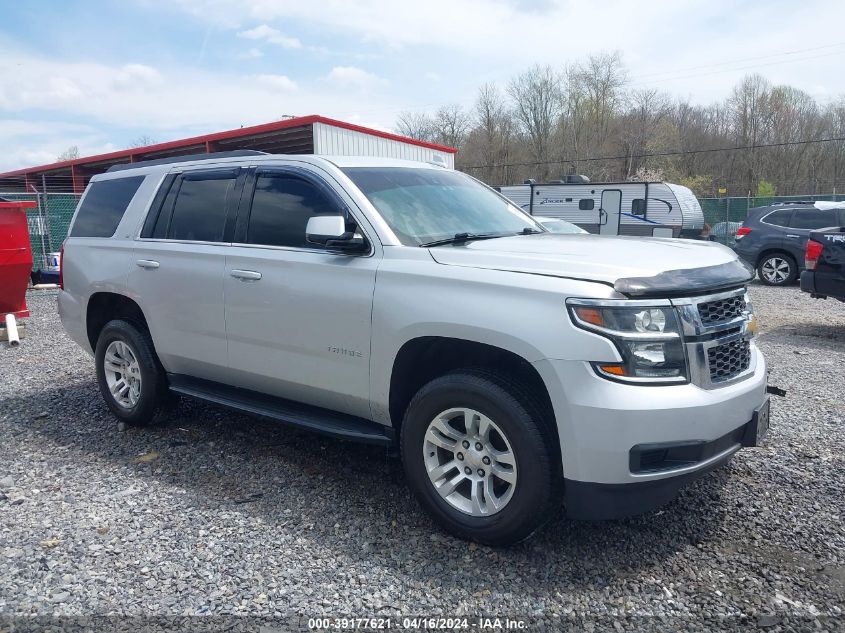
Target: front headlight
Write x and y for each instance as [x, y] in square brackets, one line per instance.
[648, 339]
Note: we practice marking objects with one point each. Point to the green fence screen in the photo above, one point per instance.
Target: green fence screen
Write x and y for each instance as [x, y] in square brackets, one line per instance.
[48, 222]
[718, 211]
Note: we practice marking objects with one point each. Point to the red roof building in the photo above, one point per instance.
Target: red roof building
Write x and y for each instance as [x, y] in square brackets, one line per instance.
[311, 134]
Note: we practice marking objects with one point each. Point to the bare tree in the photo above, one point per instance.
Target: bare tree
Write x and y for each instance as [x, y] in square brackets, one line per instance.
[416, 125]
[537, 100]
[603, 76]
[451, 125]
[641, 128]
[748, 103]
[490, 141]
[584, 118]
[142, 141]
[71, 153]
[592, 102]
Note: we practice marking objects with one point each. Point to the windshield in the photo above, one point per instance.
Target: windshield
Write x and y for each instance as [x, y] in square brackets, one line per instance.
[426, 205]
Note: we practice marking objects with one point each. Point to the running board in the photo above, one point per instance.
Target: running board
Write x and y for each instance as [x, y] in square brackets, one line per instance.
[303, 416]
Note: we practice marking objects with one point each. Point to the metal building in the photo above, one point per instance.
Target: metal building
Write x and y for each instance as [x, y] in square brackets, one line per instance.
[55, 188]
[311, 134]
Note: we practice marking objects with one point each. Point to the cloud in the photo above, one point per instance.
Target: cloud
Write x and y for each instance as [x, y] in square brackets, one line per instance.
[431, 76]
[37, 143]
[253, 53]
[63, 88]
[350, 76]
[137, 76]
[271, 36]
[278, 82]
[89, 104]
[490, 35]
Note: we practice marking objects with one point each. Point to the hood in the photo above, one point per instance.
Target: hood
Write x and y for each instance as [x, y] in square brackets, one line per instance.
[635, 266]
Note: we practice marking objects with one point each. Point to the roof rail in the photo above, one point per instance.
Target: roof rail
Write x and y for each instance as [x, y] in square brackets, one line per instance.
[184, 159]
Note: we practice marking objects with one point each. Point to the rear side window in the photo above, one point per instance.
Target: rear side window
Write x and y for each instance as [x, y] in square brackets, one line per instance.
[586, 204]
[104, 206]
[281, 208]
[813, 219]
[199, 210]
[779, 218]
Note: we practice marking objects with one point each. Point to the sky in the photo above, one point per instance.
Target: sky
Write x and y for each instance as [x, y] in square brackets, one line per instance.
[101, 74]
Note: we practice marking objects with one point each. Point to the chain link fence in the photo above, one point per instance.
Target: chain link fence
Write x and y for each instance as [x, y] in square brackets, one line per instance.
[726, 215]
[48, 222]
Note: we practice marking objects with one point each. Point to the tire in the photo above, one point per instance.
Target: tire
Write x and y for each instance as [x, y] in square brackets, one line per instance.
[140, 406]
[519, 426]
[777, 269]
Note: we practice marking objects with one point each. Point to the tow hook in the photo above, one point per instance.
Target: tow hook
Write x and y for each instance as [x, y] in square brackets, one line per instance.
[776, 391]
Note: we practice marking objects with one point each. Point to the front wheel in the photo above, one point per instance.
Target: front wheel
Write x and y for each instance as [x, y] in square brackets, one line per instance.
[479, 457]
[777, 269]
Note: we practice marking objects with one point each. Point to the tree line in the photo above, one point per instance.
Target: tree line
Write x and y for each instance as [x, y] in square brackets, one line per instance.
[585, 118]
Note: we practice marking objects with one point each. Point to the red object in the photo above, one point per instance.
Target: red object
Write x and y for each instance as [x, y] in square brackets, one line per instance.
[742, 231]
[812, 253]
[15, 258]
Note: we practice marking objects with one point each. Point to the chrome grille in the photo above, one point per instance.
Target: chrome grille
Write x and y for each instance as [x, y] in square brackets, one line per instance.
[721, 310]
[728, 360]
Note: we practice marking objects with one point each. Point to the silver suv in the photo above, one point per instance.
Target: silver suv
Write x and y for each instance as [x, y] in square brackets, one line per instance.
[396, 302]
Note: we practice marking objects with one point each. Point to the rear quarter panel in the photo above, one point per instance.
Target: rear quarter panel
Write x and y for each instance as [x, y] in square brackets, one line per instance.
[101, 264]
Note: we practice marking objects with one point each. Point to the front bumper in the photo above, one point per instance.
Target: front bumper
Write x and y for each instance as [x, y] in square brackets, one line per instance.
[592, 501]
[600, 422]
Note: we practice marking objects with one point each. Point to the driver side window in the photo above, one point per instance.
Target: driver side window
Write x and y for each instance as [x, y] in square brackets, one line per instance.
[281, 207]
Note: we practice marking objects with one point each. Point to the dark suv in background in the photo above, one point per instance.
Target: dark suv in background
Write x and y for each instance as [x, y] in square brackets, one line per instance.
[773, 238]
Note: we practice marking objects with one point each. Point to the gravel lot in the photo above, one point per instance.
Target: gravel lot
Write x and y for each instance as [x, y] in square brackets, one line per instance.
[218, 513]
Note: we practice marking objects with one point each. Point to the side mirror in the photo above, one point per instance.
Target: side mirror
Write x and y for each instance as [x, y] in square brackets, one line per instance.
[330, 231]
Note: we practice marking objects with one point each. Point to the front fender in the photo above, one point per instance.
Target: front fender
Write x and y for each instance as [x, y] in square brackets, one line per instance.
[521, 313]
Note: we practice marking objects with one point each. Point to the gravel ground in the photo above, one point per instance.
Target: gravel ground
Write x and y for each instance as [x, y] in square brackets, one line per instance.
[218, 513]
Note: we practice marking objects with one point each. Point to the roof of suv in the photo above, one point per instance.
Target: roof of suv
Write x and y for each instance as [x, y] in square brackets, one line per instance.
[254, 159]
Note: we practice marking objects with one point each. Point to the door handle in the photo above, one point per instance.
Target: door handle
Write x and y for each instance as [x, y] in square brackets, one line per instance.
[792, 236]
[149, 264]
[246, 275]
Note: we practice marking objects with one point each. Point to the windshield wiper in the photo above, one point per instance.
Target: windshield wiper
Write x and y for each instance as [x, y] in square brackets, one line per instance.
[529, 231]
[460, 238]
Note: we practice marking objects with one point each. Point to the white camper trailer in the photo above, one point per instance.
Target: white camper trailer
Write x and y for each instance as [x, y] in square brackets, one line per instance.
[659, 209]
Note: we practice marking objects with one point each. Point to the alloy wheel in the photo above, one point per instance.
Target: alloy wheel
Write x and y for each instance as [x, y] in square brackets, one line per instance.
[123, 374]
[470, 462]
[775, 270]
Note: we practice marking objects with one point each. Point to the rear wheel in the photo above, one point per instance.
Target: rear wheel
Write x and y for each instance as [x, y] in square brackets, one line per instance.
[130, 377]
[479, 457]
[777, 269]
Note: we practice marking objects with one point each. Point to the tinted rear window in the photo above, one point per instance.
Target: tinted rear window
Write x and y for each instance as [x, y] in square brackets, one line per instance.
[104, 206]
[814, 219]
[779, 218]
[200, 210]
